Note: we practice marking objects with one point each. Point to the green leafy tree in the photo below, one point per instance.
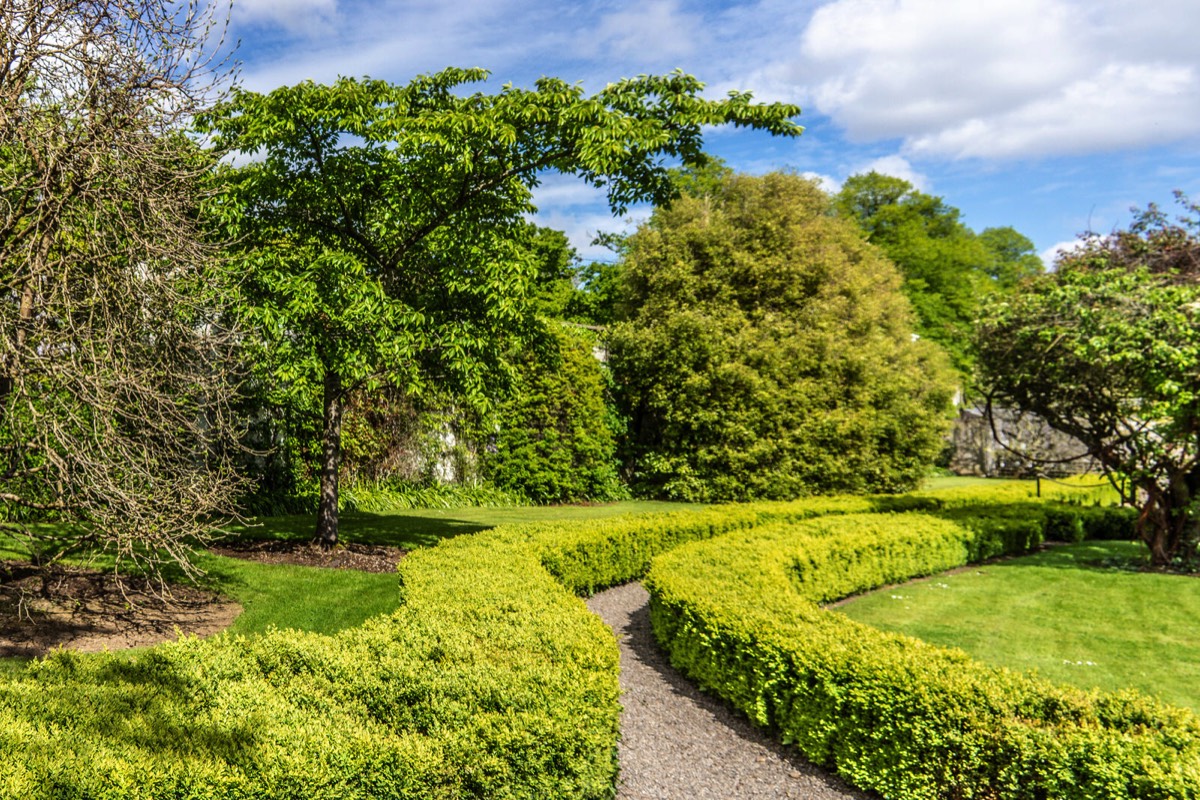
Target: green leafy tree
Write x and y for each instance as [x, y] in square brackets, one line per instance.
[382, 230]
[767, 352]
[1014, 258]
[557, 271]
[555, 435]
[1105, 349]
[947, 268]
[597, 285]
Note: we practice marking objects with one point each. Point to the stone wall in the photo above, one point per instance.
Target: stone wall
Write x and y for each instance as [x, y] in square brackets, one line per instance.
[1027, 446]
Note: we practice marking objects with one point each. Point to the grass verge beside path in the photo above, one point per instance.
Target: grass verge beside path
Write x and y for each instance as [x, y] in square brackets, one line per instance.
[427, 527]
[326, 601]
[1077, 614]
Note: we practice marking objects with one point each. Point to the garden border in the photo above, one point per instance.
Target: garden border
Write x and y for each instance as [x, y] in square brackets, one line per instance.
[490, 680]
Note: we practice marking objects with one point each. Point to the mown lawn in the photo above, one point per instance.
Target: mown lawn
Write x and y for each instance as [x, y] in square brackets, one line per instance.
[1079, 614]
[426, 527]
[329, 600]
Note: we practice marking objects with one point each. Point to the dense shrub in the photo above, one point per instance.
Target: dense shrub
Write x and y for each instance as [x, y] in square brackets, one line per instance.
[490, 681]
[893, 714]
[765, 352]
[554, 439]
[385, 496]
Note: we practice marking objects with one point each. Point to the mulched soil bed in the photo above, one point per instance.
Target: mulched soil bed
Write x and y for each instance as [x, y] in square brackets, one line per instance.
[362, 557]
[90, 611]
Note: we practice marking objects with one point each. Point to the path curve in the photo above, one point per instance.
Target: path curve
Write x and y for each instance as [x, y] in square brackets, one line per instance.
[678, 743]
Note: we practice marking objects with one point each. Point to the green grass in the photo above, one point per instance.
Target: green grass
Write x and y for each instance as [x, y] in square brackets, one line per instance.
[1076, 614]
[426, 527]
[329, 600]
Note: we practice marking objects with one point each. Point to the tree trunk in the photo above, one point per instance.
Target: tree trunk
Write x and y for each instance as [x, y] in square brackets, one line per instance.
[331, 462]
[1166, 522]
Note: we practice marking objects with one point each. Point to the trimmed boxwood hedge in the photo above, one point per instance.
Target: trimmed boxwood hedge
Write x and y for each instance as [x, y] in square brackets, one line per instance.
[892, 714]
[491, 680]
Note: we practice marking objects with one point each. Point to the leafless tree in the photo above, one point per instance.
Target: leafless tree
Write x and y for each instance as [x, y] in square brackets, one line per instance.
[115, 375]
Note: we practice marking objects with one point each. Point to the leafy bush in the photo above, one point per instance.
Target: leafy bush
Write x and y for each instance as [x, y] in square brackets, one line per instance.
[490, 681]
[1111, 523]
[766, 351]
[387, 496]
[1083, 490]
[555, 436]
[893, 714]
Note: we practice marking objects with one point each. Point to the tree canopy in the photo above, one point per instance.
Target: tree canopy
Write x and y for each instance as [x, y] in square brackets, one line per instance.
[382, 233]
[766, 351]
[554, 439]
[947, 267]
[1105, 349]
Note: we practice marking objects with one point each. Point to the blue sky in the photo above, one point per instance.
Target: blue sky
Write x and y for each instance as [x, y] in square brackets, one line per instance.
[1053, 116]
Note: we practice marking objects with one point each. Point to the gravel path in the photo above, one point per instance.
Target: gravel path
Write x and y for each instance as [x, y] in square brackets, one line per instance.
[677, 742]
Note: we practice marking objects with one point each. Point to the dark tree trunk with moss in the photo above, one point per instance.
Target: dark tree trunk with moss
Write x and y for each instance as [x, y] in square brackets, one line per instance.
[331, 461]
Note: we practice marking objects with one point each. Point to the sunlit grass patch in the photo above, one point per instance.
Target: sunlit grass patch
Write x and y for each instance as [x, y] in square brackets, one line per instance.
[1081, 614]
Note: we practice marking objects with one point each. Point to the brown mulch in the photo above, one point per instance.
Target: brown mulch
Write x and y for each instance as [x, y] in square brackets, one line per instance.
[362, 557]
[91, 611]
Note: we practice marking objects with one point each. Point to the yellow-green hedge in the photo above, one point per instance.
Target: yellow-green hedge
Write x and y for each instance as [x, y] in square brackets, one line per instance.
[491, 680]
[892, 714]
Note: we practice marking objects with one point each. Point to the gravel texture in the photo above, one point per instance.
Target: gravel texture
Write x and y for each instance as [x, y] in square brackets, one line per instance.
[677, 742]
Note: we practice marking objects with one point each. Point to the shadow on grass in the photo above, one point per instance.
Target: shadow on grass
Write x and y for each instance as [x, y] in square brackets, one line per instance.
[1093, 556]
[407, 530]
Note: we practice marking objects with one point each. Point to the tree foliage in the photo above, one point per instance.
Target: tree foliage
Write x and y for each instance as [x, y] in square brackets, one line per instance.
[1105, 349]
[555, 435]
[114, 364]
[382, 230]
[947, 267]
[767, 352]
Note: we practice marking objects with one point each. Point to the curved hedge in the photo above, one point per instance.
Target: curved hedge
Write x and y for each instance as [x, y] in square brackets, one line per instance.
[491, 680]
[893, 714]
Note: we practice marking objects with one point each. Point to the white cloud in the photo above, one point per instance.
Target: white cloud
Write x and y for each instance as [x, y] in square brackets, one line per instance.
[1123, 106]
[560, 191]
[828, 183]
[897, 167]
[658, 30]
[399, 40]
[579, 210]
[582, 227]
[1051, 254]
[1003, 78]
[294, 16]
